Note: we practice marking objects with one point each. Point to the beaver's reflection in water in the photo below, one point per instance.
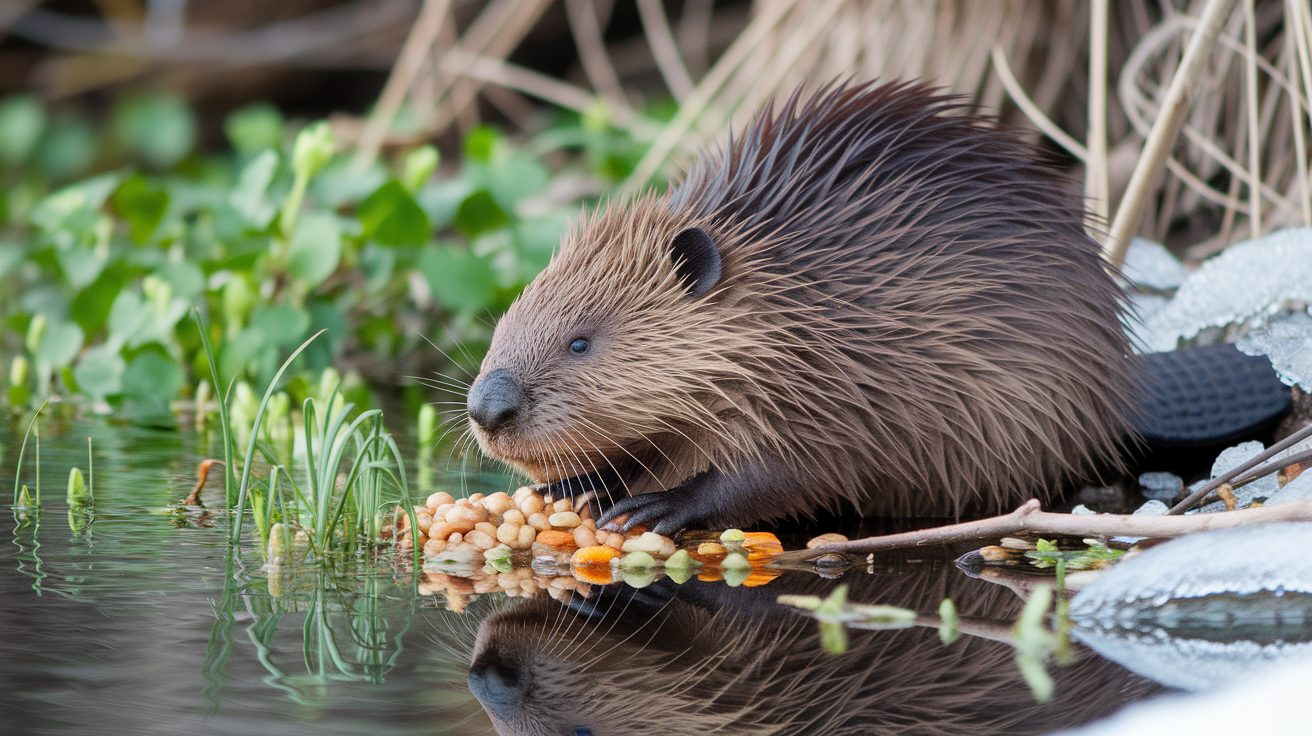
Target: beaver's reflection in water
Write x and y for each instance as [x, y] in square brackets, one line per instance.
[707, 658]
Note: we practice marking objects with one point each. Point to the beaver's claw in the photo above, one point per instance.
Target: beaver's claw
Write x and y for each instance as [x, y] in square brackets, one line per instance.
[664, 512]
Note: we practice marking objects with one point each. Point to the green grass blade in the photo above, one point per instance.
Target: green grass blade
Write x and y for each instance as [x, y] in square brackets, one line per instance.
[18, 469]
[235, 536]
[225, 427]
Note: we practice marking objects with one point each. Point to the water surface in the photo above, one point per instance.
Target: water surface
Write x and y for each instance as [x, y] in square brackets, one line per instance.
[147, 622]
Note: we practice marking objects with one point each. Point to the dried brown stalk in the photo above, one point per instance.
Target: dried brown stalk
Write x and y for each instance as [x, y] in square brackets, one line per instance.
[1164, 132]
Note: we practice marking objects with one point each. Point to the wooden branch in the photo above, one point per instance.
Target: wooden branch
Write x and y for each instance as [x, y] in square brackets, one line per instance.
[1164, 132]
[1031, 519]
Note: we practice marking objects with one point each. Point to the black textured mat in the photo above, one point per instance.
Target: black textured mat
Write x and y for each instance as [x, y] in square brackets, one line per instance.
[1208, 395]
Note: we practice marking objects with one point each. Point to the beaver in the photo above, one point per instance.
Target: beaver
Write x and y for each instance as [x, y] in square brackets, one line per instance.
[872, 296]
[713, 659]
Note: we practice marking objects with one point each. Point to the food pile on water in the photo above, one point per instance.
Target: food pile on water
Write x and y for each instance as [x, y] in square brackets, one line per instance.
[524, 543]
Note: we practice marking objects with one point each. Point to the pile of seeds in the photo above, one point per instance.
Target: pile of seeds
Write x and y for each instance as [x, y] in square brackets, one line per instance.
[525, 543]
[526, 525]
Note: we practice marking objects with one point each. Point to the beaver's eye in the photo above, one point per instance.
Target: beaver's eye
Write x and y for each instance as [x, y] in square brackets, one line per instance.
[579, 346]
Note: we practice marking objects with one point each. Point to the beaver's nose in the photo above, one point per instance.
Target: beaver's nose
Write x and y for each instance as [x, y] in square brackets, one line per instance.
[494, 400]
[497, 684]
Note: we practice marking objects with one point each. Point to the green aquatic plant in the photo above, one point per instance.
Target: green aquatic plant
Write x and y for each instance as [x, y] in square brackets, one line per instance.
[79, 501]
[280, 237]
[23, 496]
[332, 480]
[1046, 554]
[1035, 643]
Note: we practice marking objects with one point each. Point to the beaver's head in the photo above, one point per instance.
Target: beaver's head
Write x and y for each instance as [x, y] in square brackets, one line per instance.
[614, 352]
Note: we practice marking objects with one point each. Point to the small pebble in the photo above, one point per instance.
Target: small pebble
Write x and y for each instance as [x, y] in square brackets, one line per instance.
[586, 556]
[735, 561]
[1165, 487]
[823, 539]
[712, 549]
[732, 536]
[554, 538]
[1296, 490]
[650, 542]
[565, 519]
[831, 561]
[680, 560]
[634, 560]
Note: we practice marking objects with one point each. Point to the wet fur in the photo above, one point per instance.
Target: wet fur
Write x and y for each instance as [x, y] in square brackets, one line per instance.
[911, 320]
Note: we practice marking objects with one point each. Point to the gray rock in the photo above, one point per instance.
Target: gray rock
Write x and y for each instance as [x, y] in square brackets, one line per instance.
[1164, 487]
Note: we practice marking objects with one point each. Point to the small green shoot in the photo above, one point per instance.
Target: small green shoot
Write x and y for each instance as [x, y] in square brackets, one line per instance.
[26, 499]
[834, 613]
[1035, 643]
[79, 501]
[1095, 556]
[949, 629]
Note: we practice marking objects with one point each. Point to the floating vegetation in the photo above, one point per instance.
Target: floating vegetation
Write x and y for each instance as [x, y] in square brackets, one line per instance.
[1096, 555]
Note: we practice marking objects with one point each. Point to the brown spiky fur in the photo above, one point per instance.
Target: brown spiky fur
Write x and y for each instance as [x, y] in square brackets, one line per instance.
[911, 319]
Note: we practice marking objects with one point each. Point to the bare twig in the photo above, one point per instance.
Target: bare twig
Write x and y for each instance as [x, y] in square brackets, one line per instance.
[1097, 193]
[1031, 110]
[417, 47]
[202, 475]
[1031, 519]
[586, 27]
[701, 97]
[1164, 132]
[663, 48]
[1254, 135]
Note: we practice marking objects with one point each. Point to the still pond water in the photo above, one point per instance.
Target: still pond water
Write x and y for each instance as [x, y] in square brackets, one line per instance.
[146, 623]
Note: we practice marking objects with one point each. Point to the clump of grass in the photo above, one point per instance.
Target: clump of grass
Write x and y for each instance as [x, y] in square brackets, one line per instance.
[333, 480]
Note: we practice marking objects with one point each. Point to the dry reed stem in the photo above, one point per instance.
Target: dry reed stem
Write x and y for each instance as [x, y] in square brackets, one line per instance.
[1032, 111]
[1097, 192]
[664, 50]
[1164, 132]
[414, 52]
[585, 26]
[1254, 138]
[701, 97]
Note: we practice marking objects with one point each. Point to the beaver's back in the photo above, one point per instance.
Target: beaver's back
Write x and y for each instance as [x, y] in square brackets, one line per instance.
[952, 337]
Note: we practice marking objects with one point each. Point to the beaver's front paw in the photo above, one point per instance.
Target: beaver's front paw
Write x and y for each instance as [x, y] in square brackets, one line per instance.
[664, 512]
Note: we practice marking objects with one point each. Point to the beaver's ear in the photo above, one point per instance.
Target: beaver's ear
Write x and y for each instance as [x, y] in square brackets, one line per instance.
[696, 260]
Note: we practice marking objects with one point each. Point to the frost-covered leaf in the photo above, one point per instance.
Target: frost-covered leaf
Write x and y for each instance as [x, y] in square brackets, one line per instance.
[1287, 342]
[1248, 281]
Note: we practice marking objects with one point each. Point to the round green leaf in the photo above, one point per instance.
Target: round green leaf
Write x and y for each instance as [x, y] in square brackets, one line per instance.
[254, 128]
[316, 248]
[142, 205]
[21, 121]
[152, 379]
[59, 344]
[159, 128]
[99, 373]
[391, 216]
[460, 280]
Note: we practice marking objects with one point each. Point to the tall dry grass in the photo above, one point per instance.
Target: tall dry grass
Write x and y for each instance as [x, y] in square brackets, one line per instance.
[1092, 78]
[1208, 132]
